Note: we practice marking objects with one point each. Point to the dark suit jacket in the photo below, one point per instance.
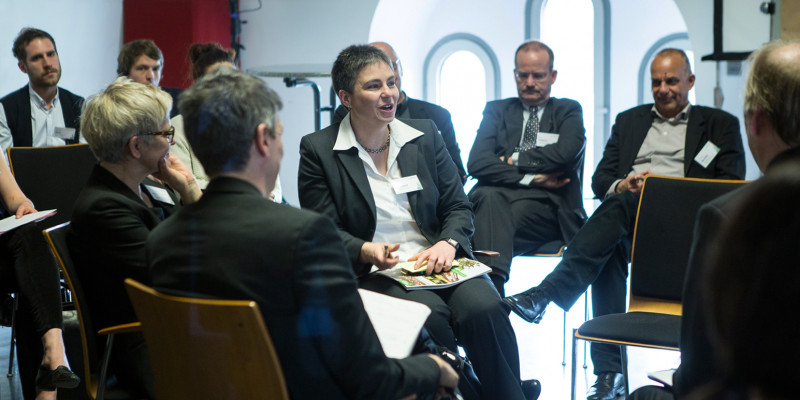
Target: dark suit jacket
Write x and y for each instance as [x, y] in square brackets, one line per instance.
[705, 124]
[17, 106]
[698, 365]
[223, 247]
[418, 109]
[500, 133]
[334, 183]
[109, 227]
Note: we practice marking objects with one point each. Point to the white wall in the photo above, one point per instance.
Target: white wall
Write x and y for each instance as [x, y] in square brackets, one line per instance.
[88, 34]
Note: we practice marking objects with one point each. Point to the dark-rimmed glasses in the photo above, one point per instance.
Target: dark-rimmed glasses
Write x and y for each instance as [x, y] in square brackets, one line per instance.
[168, 134]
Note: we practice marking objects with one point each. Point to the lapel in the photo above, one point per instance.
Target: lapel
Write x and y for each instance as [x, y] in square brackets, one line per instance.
[546, 124]
[641, 125]
[354, 168]
[513, 126]
[694, 135]
[407, 162]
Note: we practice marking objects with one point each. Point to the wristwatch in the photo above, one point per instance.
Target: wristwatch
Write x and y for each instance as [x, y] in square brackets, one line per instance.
[452, 242]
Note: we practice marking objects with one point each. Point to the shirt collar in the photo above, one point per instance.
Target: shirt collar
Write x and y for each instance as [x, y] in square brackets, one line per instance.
[682, 116]
[38, 99]
[401, 134]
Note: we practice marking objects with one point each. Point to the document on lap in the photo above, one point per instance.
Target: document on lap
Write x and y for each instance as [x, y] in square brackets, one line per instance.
[414, 279]
[9, 223]
[397, 322]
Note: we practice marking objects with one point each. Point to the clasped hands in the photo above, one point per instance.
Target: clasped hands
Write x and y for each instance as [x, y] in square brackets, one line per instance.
[439, 256]
[553, 180]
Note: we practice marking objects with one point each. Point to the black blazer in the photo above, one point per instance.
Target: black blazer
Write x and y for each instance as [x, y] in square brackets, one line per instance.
[418, 109]
[334, 183]
[500, 132]
[705, 124]
[106, 239]
[698, 361]
[225, 246]
[17, 106]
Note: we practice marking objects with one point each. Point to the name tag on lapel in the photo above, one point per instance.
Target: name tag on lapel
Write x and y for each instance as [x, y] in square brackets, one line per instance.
[159, 194]
[706, 154]
[406, 184]
[546, 139]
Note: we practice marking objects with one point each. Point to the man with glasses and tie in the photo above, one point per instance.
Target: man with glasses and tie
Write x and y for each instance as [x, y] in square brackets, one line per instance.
[527, 157]
[670, 137]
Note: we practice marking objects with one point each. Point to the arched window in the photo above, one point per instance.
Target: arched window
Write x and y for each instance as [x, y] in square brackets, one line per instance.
[456, 69]
[677, 41]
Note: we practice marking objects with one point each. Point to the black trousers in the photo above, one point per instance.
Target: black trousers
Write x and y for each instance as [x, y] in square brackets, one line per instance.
[470, 314]
[598, 255]
[511, 221]
[28, 268]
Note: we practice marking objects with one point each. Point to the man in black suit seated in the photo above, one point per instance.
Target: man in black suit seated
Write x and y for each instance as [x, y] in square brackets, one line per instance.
[417, 109]
[670, 137]
[40, 113]
[227, 246]
[142, 61]
[772, 96]
[528, 159]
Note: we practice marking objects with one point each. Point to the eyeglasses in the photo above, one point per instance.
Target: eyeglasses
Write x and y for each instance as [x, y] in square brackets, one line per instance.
[168, 134]
[537, 76]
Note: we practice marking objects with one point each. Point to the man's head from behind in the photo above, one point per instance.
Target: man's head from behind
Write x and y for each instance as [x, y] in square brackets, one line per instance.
[142, 61]
[230, 117]
[534, 73]
[671, 80]
[772, 100]
[36, 52]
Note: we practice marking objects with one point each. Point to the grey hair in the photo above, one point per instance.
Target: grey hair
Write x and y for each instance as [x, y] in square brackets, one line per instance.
[221, 112]
[119, 112]
[350, 62]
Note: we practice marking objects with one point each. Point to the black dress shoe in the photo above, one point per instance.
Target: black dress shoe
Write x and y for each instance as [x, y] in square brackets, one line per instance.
[608, 386]
[529, 305]
[48, 380]
[532, 389]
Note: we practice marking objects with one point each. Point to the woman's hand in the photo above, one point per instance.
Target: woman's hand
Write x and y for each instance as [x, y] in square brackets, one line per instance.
[175, 173]
[26, 207]
[439, 256]
[379, 254]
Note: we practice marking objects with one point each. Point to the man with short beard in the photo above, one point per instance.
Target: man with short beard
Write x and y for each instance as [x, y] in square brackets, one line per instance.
[40, 113]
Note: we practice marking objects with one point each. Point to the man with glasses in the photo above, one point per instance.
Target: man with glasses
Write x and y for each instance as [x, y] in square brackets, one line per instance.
[418, 109]
[670, 137]
[40, 113]
[528, 159]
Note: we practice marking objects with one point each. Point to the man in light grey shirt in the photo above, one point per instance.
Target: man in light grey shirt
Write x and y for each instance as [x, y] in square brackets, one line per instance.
[40, 113]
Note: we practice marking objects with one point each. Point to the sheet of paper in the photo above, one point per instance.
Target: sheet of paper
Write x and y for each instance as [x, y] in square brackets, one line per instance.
[397, 322]
[663, 376]
[9, 223]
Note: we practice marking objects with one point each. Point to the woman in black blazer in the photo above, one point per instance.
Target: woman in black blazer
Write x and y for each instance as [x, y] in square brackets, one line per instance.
[128, 130]
[395, 195]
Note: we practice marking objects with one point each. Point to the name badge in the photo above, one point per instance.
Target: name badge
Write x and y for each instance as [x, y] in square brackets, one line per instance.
[159, 194]
[546, 139]
[706, 154]
[406, 184]
[64, 133]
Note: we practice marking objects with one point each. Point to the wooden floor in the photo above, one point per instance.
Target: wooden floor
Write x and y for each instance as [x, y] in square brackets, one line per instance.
[541, 346]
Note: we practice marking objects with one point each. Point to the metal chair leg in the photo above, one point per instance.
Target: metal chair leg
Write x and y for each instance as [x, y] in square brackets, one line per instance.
[564, 342]
[13, 346]
[574, 364]
[623, 353]
[101, 384]
[585, 318]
